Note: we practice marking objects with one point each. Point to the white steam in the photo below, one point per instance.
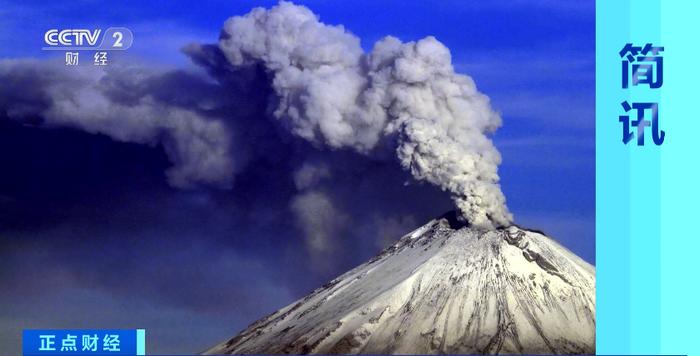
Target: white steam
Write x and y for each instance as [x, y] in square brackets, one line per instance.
[403, 95]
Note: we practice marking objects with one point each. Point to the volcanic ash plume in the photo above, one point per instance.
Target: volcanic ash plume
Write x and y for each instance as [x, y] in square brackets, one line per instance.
[405, 96]
[401, 99]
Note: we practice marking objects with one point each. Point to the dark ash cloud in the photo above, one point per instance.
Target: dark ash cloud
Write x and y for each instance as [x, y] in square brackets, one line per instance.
[311, 83]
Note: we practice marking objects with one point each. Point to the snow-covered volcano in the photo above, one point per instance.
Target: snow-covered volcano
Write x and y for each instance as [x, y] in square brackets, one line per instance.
[443, 288]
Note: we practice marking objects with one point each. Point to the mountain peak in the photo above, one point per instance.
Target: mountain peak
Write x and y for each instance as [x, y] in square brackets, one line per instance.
[446, 287]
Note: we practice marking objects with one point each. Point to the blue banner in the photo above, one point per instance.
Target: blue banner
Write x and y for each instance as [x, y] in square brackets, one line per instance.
[84, 342]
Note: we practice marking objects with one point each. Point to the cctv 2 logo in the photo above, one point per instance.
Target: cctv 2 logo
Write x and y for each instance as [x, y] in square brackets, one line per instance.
[114, 38]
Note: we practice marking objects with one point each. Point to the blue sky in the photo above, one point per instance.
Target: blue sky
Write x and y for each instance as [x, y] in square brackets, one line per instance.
[534, 59]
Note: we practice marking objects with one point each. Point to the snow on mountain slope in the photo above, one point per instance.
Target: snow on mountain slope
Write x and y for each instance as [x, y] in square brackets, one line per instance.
[443, 288]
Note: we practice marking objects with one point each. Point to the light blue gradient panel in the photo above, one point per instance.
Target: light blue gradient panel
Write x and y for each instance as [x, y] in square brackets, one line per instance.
[647, 197]
[612, 184]
[680, 179]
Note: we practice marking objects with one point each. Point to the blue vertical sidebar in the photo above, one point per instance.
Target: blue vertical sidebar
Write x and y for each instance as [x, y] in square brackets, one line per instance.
[612, 184]
[644, 194]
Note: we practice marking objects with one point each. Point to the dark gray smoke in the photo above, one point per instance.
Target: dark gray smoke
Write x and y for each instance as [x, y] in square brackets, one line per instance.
[95, 100]
[400, 99]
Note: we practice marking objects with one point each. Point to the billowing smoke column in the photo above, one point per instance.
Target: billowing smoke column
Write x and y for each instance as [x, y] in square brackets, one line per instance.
[403, 99]
[402, 94]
